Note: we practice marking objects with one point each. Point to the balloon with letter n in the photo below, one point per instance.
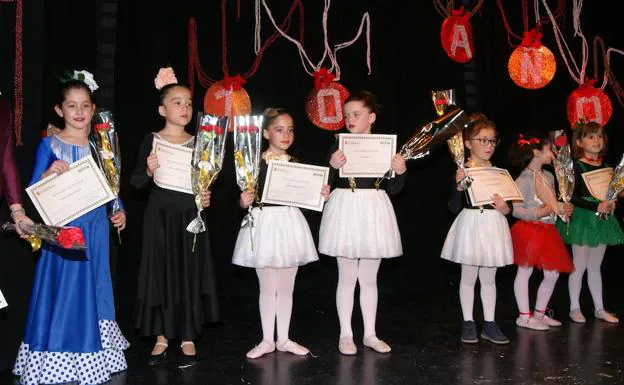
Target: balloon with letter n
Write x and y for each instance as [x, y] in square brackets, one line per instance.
[532, 65]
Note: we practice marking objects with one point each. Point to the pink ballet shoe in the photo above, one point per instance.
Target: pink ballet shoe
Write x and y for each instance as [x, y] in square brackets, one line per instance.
[293, 347]
[261, 349]
[577, 316]
[346, 346]
[376, 344]
[604, 315]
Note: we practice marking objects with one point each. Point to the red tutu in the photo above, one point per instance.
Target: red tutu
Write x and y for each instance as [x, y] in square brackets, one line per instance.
[539, 244]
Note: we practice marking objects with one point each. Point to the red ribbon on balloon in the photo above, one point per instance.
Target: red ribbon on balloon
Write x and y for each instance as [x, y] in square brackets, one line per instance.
[233, 83]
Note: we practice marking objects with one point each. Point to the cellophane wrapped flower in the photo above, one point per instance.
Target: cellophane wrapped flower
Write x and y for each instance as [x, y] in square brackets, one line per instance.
[104, 143]
[564, 167]
[616, 185]
[207, 161]
[66, 237]
[247, 141]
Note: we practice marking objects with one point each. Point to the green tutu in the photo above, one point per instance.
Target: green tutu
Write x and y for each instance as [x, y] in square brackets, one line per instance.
[587, 229]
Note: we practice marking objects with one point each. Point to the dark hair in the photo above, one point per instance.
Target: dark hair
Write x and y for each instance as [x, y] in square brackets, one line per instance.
[478, 122]
[521, 151]
[581, 130]
[164, 91]
[368, 100]
[270, 114]
[72, 84]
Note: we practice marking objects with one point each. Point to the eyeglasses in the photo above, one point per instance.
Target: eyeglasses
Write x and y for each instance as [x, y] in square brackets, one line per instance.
[484, 142]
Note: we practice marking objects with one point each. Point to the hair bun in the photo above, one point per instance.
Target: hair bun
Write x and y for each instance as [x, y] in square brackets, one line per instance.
[477, 116]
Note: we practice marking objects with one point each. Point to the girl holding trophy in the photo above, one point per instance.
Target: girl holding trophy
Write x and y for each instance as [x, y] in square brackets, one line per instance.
[275, 240]
[176, 291]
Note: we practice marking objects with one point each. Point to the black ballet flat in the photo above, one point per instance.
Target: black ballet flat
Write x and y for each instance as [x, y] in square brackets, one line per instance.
[157, 359]
[187, 361]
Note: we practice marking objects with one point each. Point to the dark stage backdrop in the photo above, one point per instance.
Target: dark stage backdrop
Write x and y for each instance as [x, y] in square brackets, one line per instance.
[407, 63]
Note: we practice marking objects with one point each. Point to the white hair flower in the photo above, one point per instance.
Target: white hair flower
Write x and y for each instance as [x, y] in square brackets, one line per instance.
[87, 78]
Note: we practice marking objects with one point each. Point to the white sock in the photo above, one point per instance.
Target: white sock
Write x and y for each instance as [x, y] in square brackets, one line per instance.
[267, 278]
[285, 287]
[544, 292]
[521, 290]
[487, 278]
[594, 276]
[367, 277]
[347, 278]
[580, 255]
[467, 283]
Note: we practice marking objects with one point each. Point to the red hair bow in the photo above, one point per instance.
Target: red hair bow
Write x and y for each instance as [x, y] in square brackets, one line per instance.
[523, 142]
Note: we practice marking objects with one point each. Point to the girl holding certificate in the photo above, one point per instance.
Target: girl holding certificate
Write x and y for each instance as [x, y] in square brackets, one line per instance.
[359, 228]
[282, 242]
[536, 241]
[479, 238]
[588, 234]
[71, 333]
[176, 291]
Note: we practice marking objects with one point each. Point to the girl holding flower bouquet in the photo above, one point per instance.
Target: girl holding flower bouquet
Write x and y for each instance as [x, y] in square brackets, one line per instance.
[71, 333]
[588, 234]
[359, 228]
[479, 238]
[282, 243]
[176, 291]
[536, 241]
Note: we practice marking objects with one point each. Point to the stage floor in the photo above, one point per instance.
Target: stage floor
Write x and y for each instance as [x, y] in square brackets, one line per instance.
[422, 326]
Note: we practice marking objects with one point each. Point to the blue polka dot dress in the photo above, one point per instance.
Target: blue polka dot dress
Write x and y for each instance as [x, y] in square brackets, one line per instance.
[71, 334]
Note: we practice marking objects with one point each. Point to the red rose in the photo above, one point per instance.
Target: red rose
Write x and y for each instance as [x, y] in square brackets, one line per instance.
[253, 129]
[70, 237]
[207, 127]
[243, 128]
[561, 141]
[102, 127]
[218, 130]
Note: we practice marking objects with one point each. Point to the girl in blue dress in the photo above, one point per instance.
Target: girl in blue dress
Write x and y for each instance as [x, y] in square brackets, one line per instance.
[71, 333]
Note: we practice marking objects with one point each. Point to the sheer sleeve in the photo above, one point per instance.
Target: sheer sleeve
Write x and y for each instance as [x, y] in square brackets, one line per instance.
[395, 185]
[520, 209]
[139, 178]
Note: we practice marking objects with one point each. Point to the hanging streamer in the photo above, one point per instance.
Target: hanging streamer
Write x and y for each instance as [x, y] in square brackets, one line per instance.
[325, 101]
[227, 97]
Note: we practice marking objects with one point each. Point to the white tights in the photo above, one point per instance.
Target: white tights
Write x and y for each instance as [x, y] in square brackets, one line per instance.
[276, 299]
[544, 292]
[351, 271]
[590, 259]
[487, 277]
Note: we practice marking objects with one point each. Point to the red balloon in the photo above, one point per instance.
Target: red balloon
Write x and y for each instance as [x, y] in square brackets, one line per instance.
[226, 102]
[324, 106]
[456, 37]
[589, 103]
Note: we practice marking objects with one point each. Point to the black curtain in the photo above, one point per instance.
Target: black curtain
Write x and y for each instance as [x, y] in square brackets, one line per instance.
[407, 63]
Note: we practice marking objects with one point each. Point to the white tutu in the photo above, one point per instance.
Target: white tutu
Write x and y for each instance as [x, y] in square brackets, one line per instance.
[281, 238]
[359, 224]
[479, 239]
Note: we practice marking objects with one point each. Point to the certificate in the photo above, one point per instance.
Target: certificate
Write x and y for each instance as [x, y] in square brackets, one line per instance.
[597, 182]
[295, 184]
[3, 302]
[487, 181]
[368, 156]
[60, 199]
[174, 171]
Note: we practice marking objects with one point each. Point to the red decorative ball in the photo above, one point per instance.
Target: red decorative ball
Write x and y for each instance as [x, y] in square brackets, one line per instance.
[590, 104]
[220, 101]
[456, 37]
[324, 106]
[532, 67]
